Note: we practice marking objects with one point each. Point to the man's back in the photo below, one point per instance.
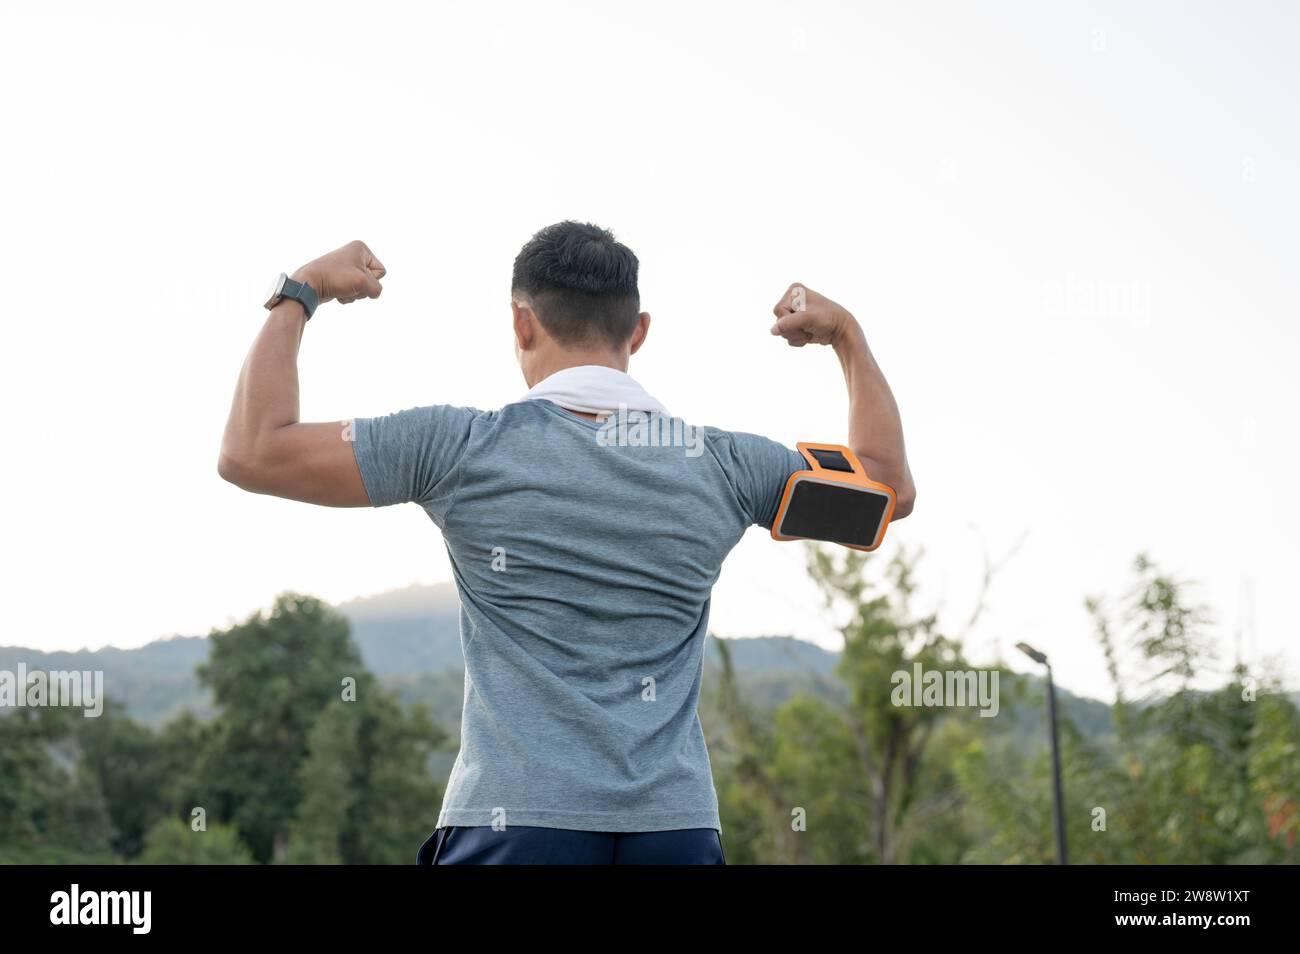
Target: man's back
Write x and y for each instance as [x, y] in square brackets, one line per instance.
[584, 567]
[584, 564]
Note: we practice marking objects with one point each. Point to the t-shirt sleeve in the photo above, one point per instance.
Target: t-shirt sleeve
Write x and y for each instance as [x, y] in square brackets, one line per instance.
[412, 455]
[758, 469]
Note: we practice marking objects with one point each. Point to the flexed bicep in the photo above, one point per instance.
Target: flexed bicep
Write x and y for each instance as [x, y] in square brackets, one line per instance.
[313, 463]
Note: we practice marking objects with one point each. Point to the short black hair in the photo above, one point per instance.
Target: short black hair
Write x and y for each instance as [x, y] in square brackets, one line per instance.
[581, 283]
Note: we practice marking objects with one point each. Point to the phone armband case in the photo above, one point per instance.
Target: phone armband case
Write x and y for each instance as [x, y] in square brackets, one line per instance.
[834, 501]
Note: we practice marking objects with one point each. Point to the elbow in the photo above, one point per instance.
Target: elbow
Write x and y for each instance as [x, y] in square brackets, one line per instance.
[898, 478]
[905, 500]
[255, 463]
[236, 468]
[904, 496]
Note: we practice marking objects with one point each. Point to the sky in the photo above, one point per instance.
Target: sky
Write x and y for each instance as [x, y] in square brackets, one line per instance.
[1069, 231]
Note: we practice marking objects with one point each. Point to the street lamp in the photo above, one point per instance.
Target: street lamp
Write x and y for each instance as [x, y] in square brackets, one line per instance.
[1059, 799]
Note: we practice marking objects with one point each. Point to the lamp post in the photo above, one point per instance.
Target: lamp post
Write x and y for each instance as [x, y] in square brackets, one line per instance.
[1058, 798]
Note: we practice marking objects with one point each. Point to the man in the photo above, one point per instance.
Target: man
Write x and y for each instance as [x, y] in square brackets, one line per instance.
[584, 557]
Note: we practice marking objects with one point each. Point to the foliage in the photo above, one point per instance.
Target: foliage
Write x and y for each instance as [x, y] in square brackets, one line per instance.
[1185, 775]
[307, 759]
[291, 767]
[172, 842]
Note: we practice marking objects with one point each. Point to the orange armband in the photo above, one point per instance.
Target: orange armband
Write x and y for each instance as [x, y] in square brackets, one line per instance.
[834, 500]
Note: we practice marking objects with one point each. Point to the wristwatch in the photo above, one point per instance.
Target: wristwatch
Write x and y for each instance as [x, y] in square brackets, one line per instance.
[285, 287]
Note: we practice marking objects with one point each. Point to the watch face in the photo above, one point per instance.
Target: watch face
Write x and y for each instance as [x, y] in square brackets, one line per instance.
[273, 293]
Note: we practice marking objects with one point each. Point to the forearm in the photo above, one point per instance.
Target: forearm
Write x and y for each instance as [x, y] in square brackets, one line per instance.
[266, 395]
[265, 449]
[875, 428]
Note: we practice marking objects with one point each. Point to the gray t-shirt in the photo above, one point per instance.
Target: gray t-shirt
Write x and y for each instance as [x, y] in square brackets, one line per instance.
[584, 567]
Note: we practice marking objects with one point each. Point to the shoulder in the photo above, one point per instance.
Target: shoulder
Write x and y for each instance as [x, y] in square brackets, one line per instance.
[727, 443]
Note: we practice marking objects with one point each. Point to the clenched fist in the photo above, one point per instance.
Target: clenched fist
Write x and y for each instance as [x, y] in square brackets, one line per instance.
[805, 317]
[346, 274]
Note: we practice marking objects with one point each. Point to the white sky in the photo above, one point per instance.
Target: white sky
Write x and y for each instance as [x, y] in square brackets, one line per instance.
[1069, 230]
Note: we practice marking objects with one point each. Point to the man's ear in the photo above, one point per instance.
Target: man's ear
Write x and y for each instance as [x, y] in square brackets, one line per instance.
[638, 336]
[525, 326]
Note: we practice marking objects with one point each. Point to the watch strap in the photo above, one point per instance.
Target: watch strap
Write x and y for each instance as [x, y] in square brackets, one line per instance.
[302, 293]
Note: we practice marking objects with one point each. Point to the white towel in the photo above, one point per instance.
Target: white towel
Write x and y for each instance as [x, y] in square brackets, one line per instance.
[594, 389]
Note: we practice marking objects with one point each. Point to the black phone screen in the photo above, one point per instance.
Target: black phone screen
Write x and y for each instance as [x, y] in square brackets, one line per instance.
[834, 513]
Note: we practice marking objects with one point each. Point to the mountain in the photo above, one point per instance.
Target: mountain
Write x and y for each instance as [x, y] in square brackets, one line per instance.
[406, 631]
[155, 681]
[410, 639]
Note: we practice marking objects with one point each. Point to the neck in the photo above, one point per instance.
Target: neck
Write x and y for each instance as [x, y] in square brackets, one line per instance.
[548, 365]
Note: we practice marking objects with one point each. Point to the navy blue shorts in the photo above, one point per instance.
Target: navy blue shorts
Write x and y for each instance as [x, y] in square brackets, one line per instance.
[525, 845]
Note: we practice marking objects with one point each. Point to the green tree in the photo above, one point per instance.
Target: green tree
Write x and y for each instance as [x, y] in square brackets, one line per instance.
[329, 783]
[173, 842]
[271, 677]
[289, 769]
[1194, 775]
[1274, 769]
[52, 809]
[398, 804]
[368, 797]
[859, 770]
[140, 771]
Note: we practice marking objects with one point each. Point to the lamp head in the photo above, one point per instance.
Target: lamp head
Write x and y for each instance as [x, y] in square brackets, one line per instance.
[1032, 653]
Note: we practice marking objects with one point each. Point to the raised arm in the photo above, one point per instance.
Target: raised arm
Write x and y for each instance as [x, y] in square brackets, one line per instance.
[875, 429]
[265, 449]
